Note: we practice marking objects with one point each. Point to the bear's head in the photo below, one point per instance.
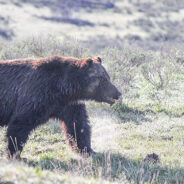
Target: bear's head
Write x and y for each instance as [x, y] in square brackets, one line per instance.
[98, 85]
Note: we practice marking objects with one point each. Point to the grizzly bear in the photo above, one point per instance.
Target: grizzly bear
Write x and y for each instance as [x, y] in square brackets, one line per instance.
[33, 91]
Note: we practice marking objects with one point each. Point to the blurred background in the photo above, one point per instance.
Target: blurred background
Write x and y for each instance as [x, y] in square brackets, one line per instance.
[149, 24]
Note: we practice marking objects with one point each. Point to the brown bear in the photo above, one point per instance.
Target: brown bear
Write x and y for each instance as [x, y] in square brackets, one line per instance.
[33, 91]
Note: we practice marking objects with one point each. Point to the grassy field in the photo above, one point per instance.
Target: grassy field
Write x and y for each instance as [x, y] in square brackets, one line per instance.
[141, 45]
[148, 119]
[149, 24]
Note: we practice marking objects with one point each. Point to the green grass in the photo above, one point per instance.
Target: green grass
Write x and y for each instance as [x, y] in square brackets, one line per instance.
[20, 173]
[49, 158]
[148, 119]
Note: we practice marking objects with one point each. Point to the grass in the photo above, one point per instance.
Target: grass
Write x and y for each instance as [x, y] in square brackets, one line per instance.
[147, 24]
[20, 173]
[50, 159]
[148, 119]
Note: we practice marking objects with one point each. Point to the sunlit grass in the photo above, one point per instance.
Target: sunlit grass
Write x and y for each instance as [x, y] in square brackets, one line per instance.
[143, 122]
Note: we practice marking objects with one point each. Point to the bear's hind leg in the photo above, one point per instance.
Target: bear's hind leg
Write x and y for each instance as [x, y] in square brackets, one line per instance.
[17, 135]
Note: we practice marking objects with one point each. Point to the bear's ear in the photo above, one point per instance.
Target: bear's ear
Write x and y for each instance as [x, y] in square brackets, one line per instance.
[98, 58]
[88, 62]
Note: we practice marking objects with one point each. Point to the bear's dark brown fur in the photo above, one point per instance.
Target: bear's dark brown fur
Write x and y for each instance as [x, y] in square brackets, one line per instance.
[33, 91]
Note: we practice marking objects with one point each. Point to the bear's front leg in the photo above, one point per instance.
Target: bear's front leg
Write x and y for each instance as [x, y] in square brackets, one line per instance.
[76, 126]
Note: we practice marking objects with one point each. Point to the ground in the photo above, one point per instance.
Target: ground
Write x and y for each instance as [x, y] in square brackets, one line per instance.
[149, 117]
[146, 23]
[120, 159]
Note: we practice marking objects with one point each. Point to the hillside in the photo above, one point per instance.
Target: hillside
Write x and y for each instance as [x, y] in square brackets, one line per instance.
[148, 24]
[140, 139]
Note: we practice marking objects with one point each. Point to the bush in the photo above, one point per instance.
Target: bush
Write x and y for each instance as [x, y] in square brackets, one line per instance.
[36, 47]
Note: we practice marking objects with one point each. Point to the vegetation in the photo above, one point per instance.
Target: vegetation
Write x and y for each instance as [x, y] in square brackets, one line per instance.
[141, 45]
[148, 119]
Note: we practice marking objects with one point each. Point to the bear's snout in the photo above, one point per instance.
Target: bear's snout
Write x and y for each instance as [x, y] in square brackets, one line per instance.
[117, 95]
